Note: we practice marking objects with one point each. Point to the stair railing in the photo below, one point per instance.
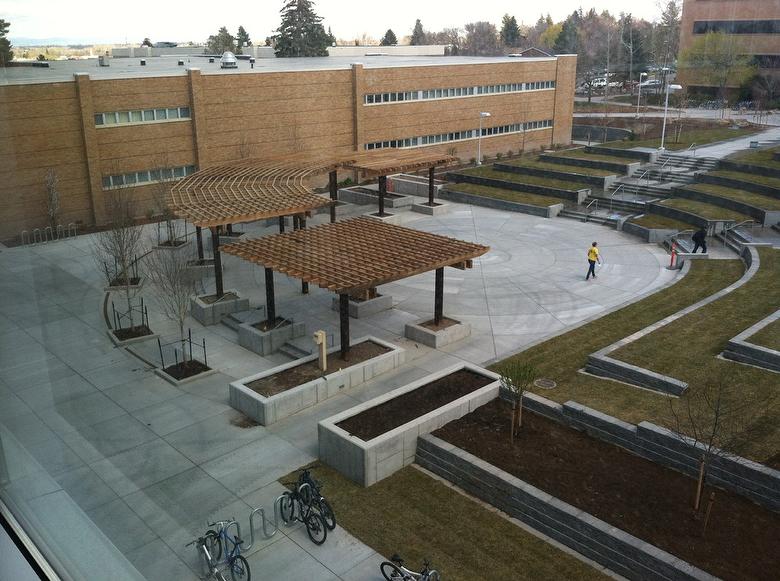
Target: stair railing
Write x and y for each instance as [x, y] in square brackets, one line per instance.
[733, 227]
[692, 146]
[612, 196]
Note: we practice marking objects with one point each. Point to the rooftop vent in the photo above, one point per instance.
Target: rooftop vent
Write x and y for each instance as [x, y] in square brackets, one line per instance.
[228, 60]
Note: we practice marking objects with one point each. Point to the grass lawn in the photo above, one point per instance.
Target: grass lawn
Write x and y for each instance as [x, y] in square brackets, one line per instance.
[757, 200]
[487, 171]
[687, 137]
[580, 153]
[420, 518]
[750, 177]
[769, 336]
[508, 195]
[686, 349]
[706, 211]
[757, 156]
[660, 222]
[548, 165]
[561, 357]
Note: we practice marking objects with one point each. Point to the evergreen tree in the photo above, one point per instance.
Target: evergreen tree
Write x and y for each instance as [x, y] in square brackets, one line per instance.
[6, 54]
[242, 36]
[147, 42]
[331, 38]
[418, 34]
[389, 38]
[301, 32]
[481, 39]
[221, 42]
[568, 41]
[510, 32]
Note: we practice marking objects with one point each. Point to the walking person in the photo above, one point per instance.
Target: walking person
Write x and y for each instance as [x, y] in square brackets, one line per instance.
[700, 240]
[593, 257]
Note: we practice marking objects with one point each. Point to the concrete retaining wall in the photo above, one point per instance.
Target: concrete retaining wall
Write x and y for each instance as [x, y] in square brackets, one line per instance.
[620, 168]
[646, 234]
[268, 410]
[643, 156]
[683, 216]
[599, 133]
[369, 462]
[464, 198]
[355, 196]
[571, 195]
[748, 186]
[601, 182]
[741, 349]
[212, 313]
[765, 217]
[619, 551]
[412, 186]
[759, 170]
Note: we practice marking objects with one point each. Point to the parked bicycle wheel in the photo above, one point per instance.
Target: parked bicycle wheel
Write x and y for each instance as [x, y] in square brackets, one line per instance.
[315, 526]
[327, 513]
[213, 544]
[287, 508]
[391, 572]
[239, 569]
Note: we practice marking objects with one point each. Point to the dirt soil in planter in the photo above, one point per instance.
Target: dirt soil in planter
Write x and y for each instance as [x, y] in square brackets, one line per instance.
[186, 369]
[636, 495]
[443, 324]
[132, 332]
[123, 281]
[413, 404]
[263, 326]
[295, 376]
[211, 299]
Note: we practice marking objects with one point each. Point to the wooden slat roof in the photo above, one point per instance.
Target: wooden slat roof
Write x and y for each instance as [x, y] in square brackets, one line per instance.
[256, 189]
[355, 254]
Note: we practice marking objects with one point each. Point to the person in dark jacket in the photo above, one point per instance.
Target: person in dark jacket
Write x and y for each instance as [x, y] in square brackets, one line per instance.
[700, 240]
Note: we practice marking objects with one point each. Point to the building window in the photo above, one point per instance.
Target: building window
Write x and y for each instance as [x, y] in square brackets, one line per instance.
[141, 116]
[138, 178]
[737, 26]
[453, 92]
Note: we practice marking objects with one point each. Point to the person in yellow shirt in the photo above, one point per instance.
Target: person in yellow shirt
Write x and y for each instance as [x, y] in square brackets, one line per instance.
[593, 257]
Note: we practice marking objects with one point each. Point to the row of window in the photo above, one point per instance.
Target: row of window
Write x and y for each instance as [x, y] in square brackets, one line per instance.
[142, 116]
[460, 135]
[737, 26]
[379, 98]
[140, 178]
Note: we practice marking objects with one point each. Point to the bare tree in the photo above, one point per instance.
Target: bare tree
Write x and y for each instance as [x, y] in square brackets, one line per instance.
[516, 379]
[174, 284]
[161, 192]
[716, 422]
[52, 182]
[116, 248]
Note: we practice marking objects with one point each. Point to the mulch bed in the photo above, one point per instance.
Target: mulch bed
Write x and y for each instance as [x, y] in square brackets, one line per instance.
[132, 332]
[300, 374]
[278, 322]
[636, 495]
[186, 369]
[211, 299]
[443, 324]
[413, 404]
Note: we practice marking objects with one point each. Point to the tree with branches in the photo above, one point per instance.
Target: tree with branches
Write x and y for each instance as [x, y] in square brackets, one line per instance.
[516, 378]
[418, 34]
[161, 193]
[52, 183]
[6, 54]
[481, 39]
[221, 42]
[301, 32]
[715, 59]
[147, 42]
[242, 37]
[510, 31]
[389, 39]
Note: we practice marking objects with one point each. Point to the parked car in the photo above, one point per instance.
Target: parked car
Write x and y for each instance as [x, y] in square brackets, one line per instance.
[650, 83]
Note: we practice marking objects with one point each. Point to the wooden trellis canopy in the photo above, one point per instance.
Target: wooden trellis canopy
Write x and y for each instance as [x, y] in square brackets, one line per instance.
[356, 254]
[255, 189]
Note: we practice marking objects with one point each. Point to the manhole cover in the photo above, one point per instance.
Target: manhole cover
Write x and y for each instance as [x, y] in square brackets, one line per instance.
[545, 383]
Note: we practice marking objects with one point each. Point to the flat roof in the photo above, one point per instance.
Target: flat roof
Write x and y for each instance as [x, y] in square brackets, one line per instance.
[162, 66]
[356, 254]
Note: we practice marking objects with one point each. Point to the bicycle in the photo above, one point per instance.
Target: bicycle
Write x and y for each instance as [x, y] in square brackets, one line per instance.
[312, 496]
[294, 508]
[207, 561]
[394, 570]
[219, 539]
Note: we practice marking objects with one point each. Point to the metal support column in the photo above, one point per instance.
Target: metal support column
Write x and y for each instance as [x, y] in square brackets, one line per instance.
[270, 302]
[438, 301]
[344, 318]
[334, 194]
[430, 186]
[217, 261]
[382, 192]
[230, 229]
[302, 226]
[281, 224]
[199, 242]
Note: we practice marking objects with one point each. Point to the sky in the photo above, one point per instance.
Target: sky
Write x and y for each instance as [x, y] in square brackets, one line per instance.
[92, 21]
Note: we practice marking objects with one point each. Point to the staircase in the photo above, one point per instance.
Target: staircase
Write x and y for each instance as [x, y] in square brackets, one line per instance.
[642, 188]
[617, 204]
[677, 176]
[589, 216]
[293, 351]
[252, 316]
[688, 162]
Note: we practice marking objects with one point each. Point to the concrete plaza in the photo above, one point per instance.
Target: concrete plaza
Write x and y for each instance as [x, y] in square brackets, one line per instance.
[112, 470]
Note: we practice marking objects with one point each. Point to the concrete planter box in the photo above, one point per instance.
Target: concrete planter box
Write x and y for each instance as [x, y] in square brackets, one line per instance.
[177, 382]
[267, 342]
[361, 309]
[436, 339]
[356, 196]
[570, 195]
[643, 156]
[121, 343]
[205, 270]
[186, 246]
[268, 410]
[411, 185]
[122, 288]
[389, 218]
[741, 349]
[622, 168]
[369, 462]
[212, 313]
[437, 209]
[602, 182]
[475, 200]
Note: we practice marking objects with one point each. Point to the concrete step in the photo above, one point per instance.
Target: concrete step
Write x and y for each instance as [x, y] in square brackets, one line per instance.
[588, 217]
[669, 176]
[251, 316]
[652, 191]
[293, 351]
[616, 204]
[686, 161]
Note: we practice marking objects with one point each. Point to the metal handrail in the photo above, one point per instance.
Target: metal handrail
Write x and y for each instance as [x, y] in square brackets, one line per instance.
[670, 237]
[692, 146]
[612, 196]
[593, 201]
[728, 229]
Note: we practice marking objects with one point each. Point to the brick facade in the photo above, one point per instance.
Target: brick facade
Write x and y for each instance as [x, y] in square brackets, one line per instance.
[51, 125]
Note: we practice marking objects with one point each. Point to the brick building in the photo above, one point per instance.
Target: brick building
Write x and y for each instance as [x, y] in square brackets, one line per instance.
[130, 126]
[754, 24]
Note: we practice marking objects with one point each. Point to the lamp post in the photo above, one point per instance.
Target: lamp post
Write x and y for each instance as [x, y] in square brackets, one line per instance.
[666, 108]
[482, 115]
[639, 93]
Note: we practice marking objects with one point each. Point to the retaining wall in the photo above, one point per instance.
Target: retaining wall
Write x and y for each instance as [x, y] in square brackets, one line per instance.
[767, 218]
[741, 349]
[759, 170]
[646, 234]
[621, 168]
[571, 195]
[682, 215]
[473, 199]
[599, 133]
[748, 186]
[602, 182]
[408, 185]
[643, 156]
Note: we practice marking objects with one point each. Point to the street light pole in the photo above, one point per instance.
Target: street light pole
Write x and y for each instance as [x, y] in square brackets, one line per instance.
[666, 108]
[482, 114]
[639, 93]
